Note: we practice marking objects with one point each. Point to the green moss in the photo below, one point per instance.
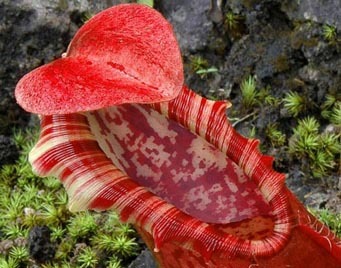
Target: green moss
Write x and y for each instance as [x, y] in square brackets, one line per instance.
[320, 150]
[264, 97]
[254, 98]
[28, 200]
[295, 103]
[85, 16]
[275, 136]
[329, 33]
[234, 25]
[113, 263]
[82, 226]
[331, 109]
[87, 258]
[198, 63]
[8, 262]
[146, 2]
[249, 93]
[20, 254]
[332, 220]
[201, 67]
[231, 20]
[335, 115]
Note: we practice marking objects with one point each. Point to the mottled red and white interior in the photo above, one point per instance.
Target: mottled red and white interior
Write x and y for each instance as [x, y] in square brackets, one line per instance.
[177, 165]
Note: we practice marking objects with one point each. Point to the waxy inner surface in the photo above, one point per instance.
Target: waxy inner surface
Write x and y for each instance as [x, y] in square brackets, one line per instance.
[175, 164]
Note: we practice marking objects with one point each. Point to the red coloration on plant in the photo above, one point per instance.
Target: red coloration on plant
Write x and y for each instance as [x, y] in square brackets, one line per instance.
[200, 194]
[126, 54]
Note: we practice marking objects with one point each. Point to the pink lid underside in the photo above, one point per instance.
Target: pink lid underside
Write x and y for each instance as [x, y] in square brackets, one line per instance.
[176, 165]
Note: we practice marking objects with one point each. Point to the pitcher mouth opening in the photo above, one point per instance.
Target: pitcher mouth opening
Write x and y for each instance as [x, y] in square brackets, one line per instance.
[178, 166]
[182, 168]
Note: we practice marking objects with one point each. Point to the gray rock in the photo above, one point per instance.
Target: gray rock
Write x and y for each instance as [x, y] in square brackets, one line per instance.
[334, 202]
[317, 199]
[265, 51]
[190, 21]
[40, 247]
[144, 260]
[8, 151]
[324, 12]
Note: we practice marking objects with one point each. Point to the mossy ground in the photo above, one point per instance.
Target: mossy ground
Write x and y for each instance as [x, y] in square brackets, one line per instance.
[84, 239]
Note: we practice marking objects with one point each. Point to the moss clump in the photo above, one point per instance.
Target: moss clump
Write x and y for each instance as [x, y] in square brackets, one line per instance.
[331, 109]
[329, 33]
[319, 150]
[201, 67]
[295, 103]
[276, 137]
[234, 25]
[253, 97]
[249, 93]
[28, 201]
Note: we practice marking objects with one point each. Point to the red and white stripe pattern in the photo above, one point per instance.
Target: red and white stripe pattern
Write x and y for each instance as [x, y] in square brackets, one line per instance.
[68, 149]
